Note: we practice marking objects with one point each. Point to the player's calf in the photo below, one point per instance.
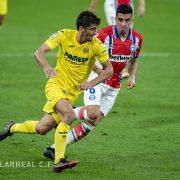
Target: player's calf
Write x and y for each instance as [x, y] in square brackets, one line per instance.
[77, 133]
[42, 130]
[45, 124]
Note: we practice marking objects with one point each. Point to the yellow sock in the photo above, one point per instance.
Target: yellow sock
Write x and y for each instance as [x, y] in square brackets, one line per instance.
[26, 127]
[61, 135]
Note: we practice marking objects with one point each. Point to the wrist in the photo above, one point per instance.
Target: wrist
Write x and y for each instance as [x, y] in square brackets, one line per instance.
[133, 76]
[45, 65]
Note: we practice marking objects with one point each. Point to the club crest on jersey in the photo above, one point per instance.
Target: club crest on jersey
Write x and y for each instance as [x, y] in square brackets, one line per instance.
[133, 48]
[86, 50]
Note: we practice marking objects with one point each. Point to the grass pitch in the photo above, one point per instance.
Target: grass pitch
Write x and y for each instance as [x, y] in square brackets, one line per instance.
[139, 139]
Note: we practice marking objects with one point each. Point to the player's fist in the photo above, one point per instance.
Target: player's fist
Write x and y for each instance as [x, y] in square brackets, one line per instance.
[131, 82]
[84, 85]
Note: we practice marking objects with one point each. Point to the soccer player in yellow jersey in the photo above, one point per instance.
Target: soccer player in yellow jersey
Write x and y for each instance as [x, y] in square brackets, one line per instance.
[75, 59]
[3, 10]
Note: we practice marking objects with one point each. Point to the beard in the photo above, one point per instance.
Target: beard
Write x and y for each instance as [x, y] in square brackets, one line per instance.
[90, 38]
[123, 32]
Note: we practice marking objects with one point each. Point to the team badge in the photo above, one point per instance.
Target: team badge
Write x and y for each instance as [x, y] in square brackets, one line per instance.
[86, 50]
[133, 48]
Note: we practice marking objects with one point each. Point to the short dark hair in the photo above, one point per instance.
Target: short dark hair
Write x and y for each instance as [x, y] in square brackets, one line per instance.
[86, 18]
[124, 9]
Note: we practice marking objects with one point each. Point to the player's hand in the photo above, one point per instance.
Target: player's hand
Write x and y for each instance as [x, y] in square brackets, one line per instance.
[49, 72]
[84, 85]
[131, 82]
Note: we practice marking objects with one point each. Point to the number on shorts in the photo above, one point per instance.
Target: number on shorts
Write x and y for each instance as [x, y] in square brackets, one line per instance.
[92, 90]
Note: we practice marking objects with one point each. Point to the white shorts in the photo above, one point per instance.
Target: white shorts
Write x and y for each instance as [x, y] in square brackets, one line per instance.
[102, 95]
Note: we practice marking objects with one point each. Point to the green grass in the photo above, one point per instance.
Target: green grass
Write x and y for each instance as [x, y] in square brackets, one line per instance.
[139, 139]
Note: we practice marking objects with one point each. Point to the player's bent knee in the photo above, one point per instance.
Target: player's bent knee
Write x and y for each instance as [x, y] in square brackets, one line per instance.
[93, 115]
[70, 115]
[96, 121]
[69, 118]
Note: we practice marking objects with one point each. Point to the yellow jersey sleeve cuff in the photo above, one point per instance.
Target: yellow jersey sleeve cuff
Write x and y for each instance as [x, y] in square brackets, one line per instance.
[103, 59]
[48, 43]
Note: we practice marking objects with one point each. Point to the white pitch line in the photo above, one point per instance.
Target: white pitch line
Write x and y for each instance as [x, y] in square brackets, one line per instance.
[51, 54]
[153, 54]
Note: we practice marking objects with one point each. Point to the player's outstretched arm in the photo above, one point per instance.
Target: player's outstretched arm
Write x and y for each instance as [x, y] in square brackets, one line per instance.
[96, 69]
[93, 6]
[132, 73]
[141, 8]
[40, 57]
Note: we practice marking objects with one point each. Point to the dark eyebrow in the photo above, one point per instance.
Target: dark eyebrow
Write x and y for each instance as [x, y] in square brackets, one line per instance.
[124, 19]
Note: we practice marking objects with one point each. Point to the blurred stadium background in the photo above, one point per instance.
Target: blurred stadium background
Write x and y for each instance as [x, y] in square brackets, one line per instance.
[139, 139]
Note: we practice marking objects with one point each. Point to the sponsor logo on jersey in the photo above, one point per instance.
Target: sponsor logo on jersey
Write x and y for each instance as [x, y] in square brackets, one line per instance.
[75, 58]
[55, 35]
[133, 48]
[120, 58]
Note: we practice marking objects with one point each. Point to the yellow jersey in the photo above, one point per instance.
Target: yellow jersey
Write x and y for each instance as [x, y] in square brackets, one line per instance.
[3, 7]
[75, 61]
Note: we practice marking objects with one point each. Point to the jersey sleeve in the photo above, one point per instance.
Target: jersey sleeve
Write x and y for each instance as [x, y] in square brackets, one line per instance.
[102, 34]
[138, 45]
[56, 39]
[100, 52]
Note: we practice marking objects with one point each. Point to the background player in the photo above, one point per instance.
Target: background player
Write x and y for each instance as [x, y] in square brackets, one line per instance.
[110, 7]
[123, 44]
[75, 60]
[3, 10]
